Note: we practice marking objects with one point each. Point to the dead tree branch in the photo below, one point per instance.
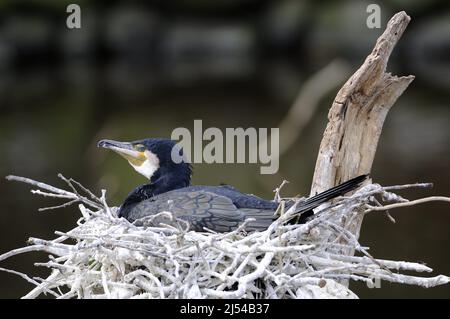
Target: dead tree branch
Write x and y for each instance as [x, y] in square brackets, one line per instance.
[356, 118]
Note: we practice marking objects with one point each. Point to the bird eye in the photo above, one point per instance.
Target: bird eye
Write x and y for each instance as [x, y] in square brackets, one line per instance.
[139, 147]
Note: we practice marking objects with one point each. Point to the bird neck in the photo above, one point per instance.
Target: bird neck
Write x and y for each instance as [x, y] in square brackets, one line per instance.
[169, 178]
[139, 194]
[164, 180]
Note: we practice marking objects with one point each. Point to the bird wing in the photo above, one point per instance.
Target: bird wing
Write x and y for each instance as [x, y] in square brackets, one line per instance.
[201, 209]
[223, 209]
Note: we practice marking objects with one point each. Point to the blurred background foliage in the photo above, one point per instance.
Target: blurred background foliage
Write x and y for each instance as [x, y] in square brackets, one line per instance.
[142, 68]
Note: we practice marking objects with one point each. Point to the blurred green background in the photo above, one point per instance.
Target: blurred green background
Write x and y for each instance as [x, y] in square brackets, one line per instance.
[143, 68]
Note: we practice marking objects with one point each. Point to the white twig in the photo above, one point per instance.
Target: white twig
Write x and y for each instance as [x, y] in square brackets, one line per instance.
[108, 257]
[410, 203]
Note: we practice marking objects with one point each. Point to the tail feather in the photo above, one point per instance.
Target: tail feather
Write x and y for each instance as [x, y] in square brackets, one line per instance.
[329, 194]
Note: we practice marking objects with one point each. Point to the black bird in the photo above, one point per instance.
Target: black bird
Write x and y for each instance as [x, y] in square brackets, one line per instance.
[218, 208]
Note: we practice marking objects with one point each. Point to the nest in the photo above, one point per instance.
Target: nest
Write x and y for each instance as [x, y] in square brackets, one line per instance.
[108, 257]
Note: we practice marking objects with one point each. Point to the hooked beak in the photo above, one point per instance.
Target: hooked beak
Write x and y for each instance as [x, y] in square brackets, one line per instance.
[126, 150]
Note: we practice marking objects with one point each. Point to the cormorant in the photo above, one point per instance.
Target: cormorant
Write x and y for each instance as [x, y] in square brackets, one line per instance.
[218, 208]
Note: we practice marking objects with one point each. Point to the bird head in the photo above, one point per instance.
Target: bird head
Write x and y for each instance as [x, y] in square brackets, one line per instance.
[151, 157]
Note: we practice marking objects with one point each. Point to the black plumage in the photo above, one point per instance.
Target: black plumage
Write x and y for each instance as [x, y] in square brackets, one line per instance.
[219, 208]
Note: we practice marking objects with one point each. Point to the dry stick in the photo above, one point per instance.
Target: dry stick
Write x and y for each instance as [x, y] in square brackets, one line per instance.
[356, 118]
[54, 192]
[18, 251]
[39, 184]
[30, 280]
[107, 250]
[42, 287]
[84, 189]
[406, 186]
[277, 196]
[59, 206]
[389, 216]
[83, 198]
[410, 203]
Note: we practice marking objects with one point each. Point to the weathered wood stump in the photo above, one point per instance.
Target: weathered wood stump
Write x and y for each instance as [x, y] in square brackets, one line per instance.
[356, 118]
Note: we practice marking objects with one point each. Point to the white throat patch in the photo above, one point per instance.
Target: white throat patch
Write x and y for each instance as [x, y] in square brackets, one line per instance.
[149, 166]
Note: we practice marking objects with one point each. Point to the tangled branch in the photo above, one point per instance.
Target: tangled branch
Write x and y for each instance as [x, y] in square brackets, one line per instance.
[108, 257]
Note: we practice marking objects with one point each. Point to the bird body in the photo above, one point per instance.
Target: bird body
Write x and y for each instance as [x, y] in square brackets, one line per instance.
[218, 208]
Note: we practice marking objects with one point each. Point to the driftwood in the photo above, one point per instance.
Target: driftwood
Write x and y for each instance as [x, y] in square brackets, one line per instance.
[356, 118]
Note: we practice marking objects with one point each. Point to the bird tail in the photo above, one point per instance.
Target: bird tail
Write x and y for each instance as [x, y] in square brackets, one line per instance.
[305, 208]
